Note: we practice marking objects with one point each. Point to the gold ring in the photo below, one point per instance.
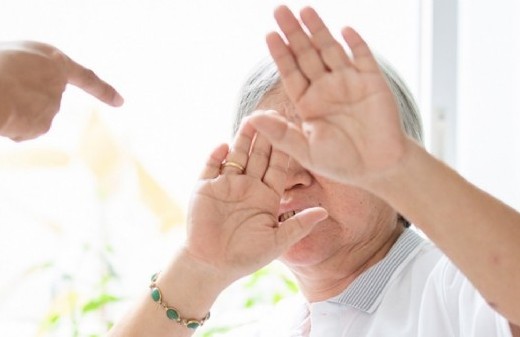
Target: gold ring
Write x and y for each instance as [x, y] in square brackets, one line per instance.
[233, 164]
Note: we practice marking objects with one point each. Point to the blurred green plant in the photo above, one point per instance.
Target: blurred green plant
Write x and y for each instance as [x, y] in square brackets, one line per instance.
[81, 308]
[269, 285]
[260, 290]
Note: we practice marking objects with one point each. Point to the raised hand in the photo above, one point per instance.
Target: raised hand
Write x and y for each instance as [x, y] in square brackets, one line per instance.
[233, 219]
[347, 125]
[33, 77]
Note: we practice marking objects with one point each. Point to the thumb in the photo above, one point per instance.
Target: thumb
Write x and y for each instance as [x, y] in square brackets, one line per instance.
[297, 227]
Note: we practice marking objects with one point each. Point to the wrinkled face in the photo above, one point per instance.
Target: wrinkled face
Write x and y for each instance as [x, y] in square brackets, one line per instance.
[358, 222]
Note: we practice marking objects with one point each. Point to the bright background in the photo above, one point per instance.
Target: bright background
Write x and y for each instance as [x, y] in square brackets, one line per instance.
[91, 210]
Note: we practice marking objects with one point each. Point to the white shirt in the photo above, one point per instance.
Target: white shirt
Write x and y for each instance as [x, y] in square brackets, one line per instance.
[415, 291]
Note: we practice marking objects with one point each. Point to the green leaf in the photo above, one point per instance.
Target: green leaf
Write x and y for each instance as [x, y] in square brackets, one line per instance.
[52, 320]
[256, 277]
[250, 302]
[99, 302]
[291, 285]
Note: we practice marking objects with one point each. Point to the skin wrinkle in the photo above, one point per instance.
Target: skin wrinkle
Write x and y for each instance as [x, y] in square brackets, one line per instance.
[358, 233]
[347, 278]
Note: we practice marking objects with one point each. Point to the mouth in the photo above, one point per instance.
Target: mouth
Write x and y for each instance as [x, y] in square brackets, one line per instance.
[287, 215]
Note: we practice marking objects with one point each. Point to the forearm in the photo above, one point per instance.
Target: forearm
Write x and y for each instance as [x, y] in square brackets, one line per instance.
[189, 287]
[479, 233]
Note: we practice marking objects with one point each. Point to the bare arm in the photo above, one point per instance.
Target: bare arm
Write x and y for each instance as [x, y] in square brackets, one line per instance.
[346, 107]
[233, 230]
[187, 285]
[33, 77]
[478, 232]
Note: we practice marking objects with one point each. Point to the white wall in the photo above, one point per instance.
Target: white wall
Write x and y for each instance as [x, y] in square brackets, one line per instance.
[488, 131]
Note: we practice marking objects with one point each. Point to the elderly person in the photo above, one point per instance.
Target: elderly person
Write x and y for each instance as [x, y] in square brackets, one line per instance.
[33, 77]
[331, 211]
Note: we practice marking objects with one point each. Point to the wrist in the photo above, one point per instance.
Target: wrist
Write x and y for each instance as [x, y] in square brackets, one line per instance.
[391, 177]
[191, 285]
[171, 312]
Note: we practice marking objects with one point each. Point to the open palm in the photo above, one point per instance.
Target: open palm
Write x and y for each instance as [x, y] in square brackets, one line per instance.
[349, 118]
[233, 218]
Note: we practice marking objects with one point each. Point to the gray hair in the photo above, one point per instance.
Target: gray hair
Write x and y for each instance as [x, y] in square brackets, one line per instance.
[265, 78]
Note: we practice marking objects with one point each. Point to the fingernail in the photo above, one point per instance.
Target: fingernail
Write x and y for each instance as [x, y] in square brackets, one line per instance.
[118, 100]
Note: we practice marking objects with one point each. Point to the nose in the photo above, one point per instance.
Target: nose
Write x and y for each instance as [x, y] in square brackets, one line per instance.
[297, 176]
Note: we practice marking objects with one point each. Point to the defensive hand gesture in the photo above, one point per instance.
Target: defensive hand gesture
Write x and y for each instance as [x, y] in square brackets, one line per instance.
[347, 125]
[233, 218]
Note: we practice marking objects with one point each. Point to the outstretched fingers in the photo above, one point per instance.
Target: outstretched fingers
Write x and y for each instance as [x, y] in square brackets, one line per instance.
[267, 164]
[308, 54]
[258, 157]
[238, 156]
[331, 52]
[294, 80]
[212, 168]
[307, 57]
[276, 173]
[363, 57]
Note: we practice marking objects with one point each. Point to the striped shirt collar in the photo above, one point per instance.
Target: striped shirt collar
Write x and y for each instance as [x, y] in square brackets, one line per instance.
[366, 291]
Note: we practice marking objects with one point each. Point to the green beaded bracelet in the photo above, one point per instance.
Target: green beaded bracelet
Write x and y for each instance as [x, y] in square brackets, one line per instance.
[171, 312]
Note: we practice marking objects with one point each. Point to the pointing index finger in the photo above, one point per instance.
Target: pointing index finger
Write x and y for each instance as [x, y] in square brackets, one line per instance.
[87, 80]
